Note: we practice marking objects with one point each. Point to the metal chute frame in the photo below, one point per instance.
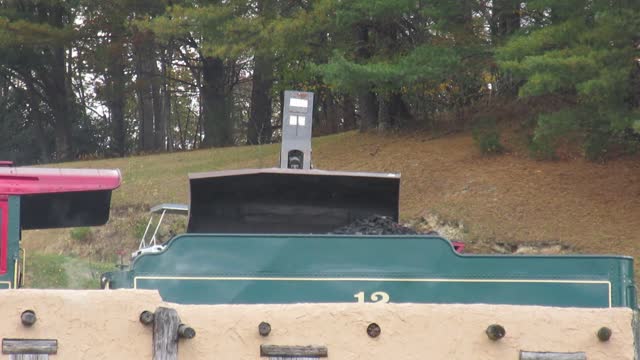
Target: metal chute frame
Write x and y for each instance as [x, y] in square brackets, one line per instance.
[152, 245]
[286, 201]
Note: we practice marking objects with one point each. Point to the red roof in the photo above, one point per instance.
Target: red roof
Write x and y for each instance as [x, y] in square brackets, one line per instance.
[27, 181]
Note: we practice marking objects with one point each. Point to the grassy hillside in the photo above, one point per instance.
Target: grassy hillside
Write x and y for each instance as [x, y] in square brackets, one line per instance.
[497, 203]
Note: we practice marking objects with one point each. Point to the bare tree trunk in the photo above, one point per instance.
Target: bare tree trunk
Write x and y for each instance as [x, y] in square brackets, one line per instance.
[166, 100]
[218, 129]
[367, 101]
[41, 138]
[116, 92]
[156, 87]
[69, 73]
[158, 124]
[145, 116]
[399, 111]
[143, 51]
[39, 120]
[332, 117]
[60, 106]
[384, 118]
[57, 93]
[368, 110]
[259, 129]
[348, 113]
[634, 97]
[505, 20]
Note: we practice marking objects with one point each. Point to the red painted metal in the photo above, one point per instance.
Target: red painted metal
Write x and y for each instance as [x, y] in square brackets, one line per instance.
[29, 181]
[458, 246]
[4, 233]
[6, 163]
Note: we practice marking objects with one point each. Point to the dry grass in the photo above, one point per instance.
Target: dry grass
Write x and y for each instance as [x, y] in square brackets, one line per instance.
[593, 208]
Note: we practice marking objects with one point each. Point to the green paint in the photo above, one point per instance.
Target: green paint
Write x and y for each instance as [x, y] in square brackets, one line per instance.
[222, 269]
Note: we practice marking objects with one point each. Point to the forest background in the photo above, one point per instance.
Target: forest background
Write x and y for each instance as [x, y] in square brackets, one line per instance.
[93, 79]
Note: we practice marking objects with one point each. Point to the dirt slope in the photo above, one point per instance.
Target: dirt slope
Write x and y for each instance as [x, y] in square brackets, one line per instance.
[590, 207]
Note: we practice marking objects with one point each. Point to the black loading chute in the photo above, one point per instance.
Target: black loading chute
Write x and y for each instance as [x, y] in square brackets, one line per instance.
[285, 201]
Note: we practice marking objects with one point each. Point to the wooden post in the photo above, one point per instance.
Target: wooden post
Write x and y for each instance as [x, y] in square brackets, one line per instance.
[277, 351]
[28, 318]
[495, 332]
[29, 346]
[604, 334]
[636, 333]
[528, 355]
[29, 349]
[165, 334]
[186, 332]
[146, 317]
[29, 357]
[167, 329]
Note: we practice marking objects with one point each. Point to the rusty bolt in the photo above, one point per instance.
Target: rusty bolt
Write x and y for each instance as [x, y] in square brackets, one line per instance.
[264, 329]
[604, 334]
[28, 317]
[373, 330]
[495, 332]
[146, 317]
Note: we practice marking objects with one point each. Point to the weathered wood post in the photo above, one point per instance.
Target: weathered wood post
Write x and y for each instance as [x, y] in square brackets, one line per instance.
[529, 355]
[165, 334]
[29, 349]
[495, 332]
[28, 318]
[167, 329]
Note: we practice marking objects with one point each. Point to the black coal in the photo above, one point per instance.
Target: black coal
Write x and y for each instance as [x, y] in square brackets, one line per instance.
[376, 225]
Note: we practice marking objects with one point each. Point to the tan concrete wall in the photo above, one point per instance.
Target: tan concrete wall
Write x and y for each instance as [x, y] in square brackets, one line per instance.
[104, 325]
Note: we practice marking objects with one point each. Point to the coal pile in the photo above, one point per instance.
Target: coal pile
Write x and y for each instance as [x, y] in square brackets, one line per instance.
[375, 225]
[383, 225]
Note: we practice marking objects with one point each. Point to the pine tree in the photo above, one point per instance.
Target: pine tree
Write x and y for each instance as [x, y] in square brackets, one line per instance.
[34, 39]
[583, 49]
[381, 49]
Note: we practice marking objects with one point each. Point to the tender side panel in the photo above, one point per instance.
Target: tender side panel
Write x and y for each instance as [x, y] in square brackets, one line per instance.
[290, 269]
[223, 290]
